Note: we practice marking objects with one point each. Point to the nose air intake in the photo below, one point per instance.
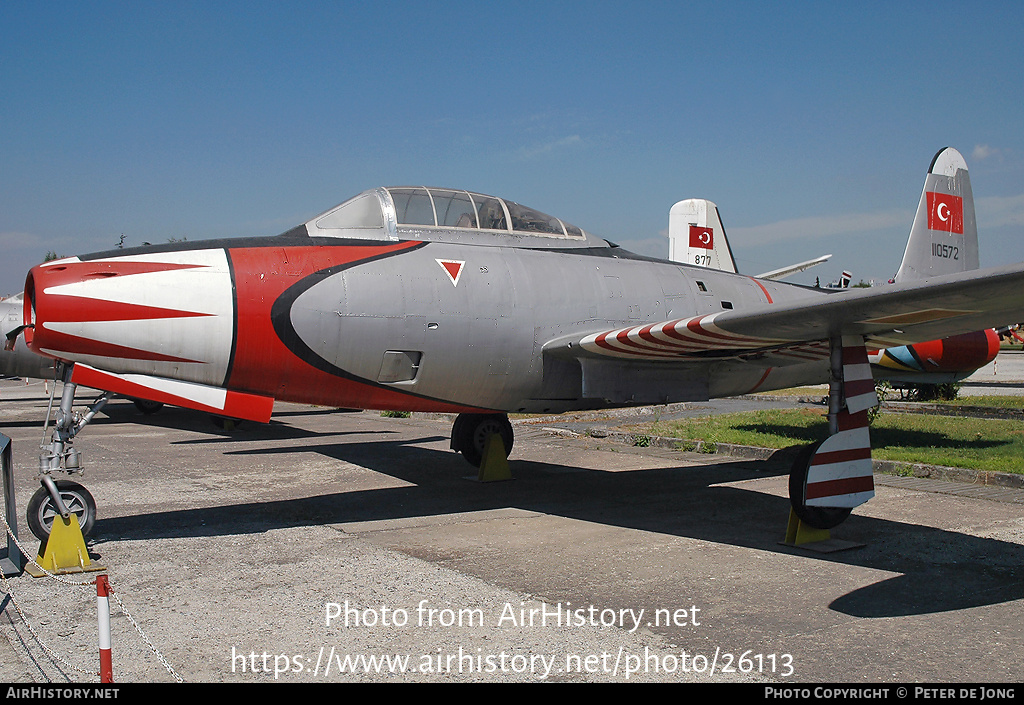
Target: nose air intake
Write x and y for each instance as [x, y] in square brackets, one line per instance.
[29, 313]
[167, 314]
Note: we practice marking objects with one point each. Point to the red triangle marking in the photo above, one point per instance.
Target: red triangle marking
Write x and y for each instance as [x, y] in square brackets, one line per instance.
[453, 268]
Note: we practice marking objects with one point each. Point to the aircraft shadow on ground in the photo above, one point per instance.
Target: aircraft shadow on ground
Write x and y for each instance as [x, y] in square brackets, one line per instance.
[880, 437]
[960, 571]
[211, 433]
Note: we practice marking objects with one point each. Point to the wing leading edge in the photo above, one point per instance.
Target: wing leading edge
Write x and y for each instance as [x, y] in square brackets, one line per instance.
[902, 314]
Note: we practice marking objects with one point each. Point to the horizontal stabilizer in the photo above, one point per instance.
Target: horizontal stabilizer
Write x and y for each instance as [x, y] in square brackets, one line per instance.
[784, 272]
[200, 397]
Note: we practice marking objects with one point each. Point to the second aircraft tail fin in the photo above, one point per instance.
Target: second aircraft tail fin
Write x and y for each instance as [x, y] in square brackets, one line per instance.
[696, 235]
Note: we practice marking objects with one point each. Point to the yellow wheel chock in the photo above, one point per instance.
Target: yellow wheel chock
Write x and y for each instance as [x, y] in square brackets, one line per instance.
[64, 550]
[801, 535]
[494, 464]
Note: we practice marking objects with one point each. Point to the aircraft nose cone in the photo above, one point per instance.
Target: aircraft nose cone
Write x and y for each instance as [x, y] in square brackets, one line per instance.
[161, 314]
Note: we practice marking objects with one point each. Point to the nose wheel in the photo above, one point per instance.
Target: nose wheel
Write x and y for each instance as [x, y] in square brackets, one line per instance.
[42, 510]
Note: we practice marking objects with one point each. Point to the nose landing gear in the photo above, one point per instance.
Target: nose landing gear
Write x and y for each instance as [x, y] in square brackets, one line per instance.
[63, 497]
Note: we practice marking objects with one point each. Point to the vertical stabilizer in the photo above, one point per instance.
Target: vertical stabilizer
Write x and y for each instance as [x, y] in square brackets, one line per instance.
[696, 235]
[944, 237]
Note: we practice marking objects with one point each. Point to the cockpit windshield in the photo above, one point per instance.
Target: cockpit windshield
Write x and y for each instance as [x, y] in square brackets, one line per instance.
[418, 207]
[445, 208]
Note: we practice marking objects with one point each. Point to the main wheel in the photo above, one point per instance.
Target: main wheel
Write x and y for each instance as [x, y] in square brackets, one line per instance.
[818, 517]
[42, 511]
[470, 432]
[146, 406]
[226, 423]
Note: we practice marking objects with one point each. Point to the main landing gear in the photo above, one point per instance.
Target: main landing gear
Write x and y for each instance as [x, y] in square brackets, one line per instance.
[470, 432]
[830, 478]
[63, 497]
[816, 517]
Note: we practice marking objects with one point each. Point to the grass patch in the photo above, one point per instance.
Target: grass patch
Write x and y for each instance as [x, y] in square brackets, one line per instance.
[991, 401]
[994, 401]
[980, 444]
[821, 391]
[642, 441]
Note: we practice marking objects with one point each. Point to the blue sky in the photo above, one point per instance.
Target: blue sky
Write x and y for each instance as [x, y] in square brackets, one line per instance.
[811, 126]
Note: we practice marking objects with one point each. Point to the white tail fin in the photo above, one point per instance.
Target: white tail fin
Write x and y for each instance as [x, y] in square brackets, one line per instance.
[696, 235]
[944, 237]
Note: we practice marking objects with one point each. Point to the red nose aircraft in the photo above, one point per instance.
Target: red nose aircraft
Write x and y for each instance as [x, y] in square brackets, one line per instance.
[429, 299]
[936, 361]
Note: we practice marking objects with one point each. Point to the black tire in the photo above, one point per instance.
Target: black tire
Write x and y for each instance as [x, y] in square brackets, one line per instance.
[470, 432]
[146, 406]
[459, 436]
[78, 500]
[817, 517]
[226, 423]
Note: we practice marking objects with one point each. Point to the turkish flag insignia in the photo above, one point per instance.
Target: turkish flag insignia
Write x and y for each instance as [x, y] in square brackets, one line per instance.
[702, 237]
[945, 212]
[453, 268]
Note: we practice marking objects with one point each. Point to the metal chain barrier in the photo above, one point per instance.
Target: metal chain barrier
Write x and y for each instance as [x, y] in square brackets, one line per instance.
[145, 638]
[56, 658]
[77, 583]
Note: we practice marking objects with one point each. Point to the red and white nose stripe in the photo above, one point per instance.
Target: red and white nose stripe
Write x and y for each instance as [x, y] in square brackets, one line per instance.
[164, 314]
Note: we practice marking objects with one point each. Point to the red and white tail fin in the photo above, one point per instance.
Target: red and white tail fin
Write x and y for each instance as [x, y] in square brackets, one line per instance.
[944, 237]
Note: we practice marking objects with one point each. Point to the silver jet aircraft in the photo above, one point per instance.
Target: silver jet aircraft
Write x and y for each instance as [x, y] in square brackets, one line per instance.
[431, 299]
[16, 360]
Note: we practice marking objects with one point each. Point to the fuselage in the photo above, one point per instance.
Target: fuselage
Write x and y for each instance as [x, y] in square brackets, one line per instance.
[368, 325]
[407, 316]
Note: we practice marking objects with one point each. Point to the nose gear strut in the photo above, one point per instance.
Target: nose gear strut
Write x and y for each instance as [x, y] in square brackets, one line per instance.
[63, 497]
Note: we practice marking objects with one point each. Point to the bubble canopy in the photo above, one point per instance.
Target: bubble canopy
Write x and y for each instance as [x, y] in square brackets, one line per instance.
[394, 212]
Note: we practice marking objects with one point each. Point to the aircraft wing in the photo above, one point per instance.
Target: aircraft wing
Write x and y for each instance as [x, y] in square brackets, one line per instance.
[797, 330]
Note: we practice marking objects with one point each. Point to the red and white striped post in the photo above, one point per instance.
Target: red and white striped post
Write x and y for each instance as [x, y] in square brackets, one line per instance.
[103, 609]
